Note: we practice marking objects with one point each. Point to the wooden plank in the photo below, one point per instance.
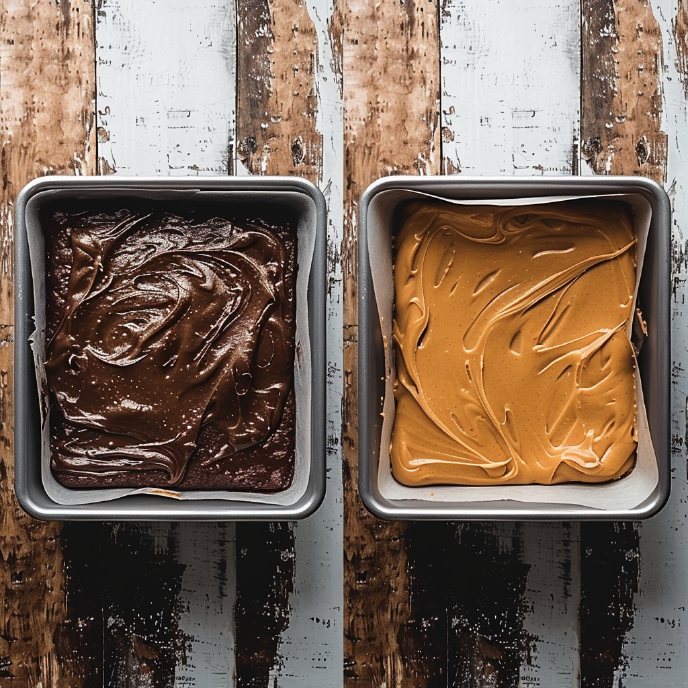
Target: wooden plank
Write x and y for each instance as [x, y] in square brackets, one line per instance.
[622, 94]
[678, 42]
[46, 115]
[163, 111]
[610, 560]
[123, 591]
[277, 97]
[207, 553]
[652, 36]
[551, 601]
[510, 87]
[272, 98]
[510, 105]
[312, 644]
[264, 581]
[467, 587]
[289, 122]
[390, 65]
[621, 133]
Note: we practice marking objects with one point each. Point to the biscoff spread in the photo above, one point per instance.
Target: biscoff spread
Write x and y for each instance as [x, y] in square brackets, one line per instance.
[511, 335]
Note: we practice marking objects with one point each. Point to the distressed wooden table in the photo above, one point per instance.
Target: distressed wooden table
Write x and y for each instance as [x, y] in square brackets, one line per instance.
[343, 92]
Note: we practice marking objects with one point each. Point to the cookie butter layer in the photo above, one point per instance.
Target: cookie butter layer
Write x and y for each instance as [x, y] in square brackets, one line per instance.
[513, 361]
[170, 328]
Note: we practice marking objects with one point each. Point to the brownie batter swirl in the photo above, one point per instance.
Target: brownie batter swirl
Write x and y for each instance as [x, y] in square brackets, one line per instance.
[169, 327]
[514, 363]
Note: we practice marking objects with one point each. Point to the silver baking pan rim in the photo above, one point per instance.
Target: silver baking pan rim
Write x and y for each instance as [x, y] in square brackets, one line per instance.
[28, 484]
[654, 366]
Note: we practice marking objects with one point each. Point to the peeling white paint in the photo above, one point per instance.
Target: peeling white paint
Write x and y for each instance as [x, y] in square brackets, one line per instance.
[166, 75]
[208, 592]
[510, 85]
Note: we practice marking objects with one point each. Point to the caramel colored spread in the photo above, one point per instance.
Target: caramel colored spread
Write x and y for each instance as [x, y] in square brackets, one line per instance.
[513, 358]
[169, 329]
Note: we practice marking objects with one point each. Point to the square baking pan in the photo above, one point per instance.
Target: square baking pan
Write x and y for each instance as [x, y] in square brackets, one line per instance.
[292, 193]
[653, 361]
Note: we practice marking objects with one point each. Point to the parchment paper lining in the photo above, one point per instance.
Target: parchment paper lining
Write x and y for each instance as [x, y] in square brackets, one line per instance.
[306, 210]
[626, 493]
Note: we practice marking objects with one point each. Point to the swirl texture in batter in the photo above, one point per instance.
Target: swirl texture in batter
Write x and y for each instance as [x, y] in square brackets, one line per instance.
[513, 359]
[169, 328]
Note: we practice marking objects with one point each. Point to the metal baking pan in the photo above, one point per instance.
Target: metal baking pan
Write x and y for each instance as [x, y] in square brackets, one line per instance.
[654, 360]
[30, 489]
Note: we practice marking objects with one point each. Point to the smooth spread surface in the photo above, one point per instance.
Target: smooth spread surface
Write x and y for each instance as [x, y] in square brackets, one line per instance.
[514, 365]
[170, 328]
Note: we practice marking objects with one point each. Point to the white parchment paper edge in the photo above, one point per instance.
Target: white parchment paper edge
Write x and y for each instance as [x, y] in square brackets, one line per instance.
[305, 207]
[626, 493]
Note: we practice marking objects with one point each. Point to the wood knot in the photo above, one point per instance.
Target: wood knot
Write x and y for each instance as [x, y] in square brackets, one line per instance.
[298, 151]
[642, 151]
[591, 147]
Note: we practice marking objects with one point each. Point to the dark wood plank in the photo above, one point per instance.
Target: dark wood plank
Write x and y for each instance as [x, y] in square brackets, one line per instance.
[610, 569]
[47, 92]
[276, 134]
[390, 58]
[510, 105]
[276, 94]
[123, 585]
[620, 134]
[467, 588]
[621, 89]
[264, 580]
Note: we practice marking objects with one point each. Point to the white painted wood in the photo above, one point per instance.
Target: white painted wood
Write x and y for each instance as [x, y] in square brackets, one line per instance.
[552, 595]
[312, 647]
[511, 105]
[656, 645]
[166, 72]
[166, 106]
[510, 85]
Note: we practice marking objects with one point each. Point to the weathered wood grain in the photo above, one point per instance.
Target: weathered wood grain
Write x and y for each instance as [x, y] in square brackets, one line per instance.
[622, 94]
[123, 594]
[680, 36]
[277, 96]
[166, 106]
[264, 578]
[621, 133]
[467, 588]
[550, 622]
[610, 560]
[46, 116]
[280, 129]
[312, 644]
[654, 648]
[510, 105]
[276, 134]
[390, 61]
[206, 553]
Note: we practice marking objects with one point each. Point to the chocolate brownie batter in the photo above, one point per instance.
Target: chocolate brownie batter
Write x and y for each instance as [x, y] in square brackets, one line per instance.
[170, 348]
